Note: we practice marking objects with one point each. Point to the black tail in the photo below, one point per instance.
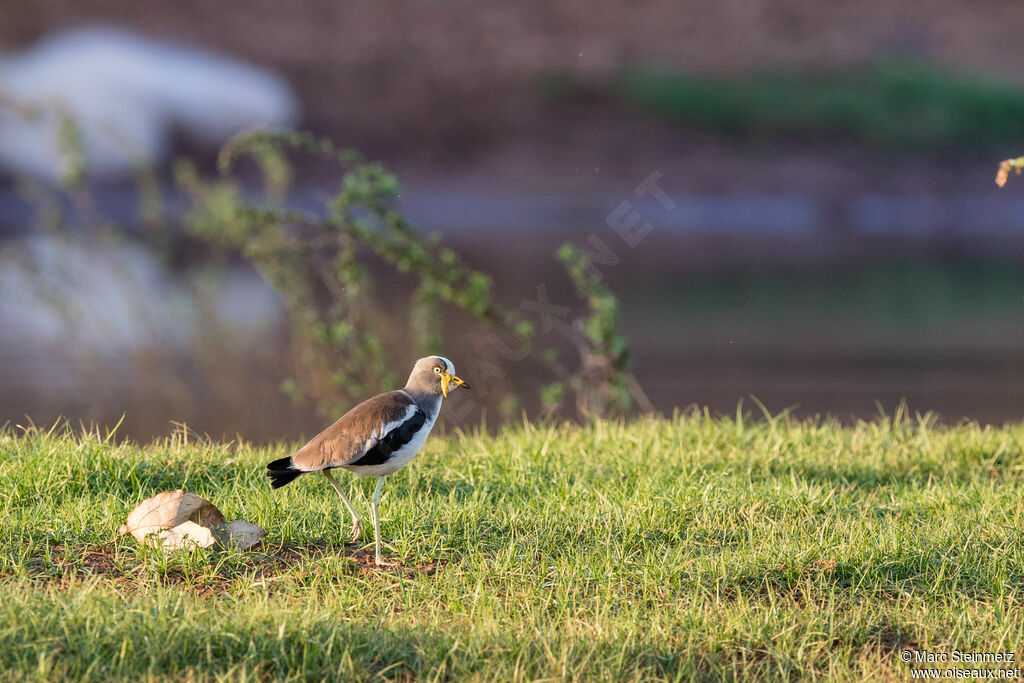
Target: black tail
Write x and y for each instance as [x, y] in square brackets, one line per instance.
[282, 472]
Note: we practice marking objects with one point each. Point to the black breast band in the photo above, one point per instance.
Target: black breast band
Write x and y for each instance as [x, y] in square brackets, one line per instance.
[391, 442]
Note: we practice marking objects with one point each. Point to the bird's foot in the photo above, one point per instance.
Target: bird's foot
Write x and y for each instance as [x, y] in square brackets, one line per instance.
[381, 563]
[357, 531]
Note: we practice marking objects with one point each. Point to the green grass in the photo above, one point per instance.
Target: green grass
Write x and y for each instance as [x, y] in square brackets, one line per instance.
[660, 549]
[894, 104]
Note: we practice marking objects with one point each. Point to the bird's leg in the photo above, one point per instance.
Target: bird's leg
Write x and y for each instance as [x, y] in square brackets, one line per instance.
[375, 509]
[357, 524]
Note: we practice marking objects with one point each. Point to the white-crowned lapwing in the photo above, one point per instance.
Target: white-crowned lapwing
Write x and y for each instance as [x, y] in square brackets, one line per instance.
[375, 438]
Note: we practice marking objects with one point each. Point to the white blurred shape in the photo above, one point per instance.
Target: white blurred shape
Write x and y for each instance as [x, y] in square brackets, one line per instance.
[117, 299]
[96, 300]
[126, 93]
[69, 309]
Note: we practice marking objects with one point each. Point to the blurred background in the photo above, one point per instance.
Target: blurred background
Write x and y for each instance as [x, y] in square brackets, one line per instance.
[791, 200]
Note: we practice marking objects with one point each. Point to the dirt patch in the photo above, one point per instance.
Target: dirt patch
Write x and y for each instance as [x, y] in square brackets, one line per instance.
[100, 561]
[68, 566]
[889, 640]
[361, 558]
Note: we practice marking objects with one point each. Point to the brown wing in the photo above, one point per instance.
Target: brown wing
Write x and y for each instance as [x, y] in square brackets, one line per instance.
[354, 433]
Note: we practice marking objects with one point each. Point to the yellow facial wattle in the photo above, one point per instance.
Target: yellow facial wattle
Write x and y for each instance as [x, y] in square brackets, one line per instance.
[447, 378]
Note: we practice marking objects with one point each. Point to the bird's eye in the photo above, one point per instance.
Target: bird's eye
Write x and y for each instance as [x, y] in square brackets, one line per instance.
[437, 371]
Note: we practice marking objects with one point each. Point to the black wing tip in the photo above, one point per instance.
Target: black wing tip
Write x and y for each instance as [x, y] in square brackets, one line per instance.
[280, 464]
[282, 472]
[279, 478]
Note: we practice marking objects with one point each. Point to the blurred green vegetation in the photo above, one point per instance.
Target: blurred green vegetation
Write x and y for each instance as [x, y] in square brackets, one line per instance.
[346, 329]
[893, 104]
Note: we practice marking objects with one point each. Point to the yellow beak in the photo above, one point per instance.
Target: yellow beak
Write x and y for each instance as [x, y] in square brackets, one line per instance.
[447, 379]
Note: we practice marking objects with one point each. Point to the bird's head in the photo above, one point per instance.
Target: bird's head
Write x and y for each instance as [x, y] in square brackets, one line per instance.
[434, 375]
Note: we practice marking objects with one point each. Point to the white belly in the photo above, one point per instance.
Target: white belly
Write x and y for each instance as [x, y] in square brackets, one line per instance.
[400, 457]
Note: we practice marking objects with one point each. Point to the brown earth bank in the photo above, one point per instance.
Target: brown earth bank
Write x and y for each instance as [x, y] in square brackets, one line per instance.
[365, 60]
[446, 93]
[446, 83]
